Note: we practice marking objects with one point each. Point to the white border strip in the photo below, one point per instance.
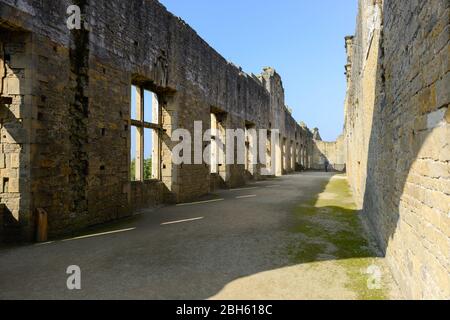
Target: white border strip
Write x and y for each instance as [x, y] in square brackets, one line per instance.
[99, 234]
[181, 221]
[199, 202]
[245, 197]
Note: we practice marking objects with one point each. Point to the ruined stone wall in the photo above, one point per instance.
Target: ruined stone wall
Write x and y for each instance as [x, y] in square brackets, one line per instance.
[363, 52]
[332, 152]
[79, 157]
[306, 147]
[17, 128]
[397, 131]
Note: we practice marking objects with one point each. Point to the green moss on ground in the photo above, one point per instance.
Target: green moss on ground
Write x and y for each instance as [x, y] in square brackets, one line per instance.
[333, 222]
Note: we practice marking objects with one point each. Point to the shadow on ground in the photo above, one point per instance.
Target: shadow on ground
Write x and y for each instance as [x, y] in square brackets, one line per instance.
[299, 238]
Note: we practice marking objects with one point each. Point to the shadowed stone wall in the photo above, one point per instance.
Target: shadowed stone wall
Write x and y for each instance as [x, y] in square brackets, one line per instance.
[397, 133]
[72, 144]
[333, 153]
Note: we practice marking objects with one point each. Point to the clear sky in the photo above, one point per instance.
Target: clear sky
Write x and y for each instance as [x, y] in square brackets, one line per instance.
[302, 39]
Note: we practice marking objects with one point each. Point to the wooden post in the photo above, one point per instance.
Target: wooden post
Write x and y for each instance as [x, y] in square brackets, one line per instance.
[42, 225]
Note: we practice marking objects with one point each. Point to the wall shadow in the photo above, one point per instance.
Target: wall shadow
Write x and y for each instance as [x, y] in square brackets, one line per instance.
[402, 134]
[195, 261]
[391, 154]
[11, 226]
[17, 221]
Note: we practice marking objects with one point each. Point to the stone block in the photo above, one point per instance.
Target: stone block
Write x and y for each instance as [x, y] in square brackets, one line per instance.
[442, 91]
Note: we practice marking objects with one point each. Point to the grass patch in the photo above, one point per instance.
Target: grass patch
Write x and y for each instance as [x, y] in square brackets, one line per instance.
[307, 253]
[333, 222]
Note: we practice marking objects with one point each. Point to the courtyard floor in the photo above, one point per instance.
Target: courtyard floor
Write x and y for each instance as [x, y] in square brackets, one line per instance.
[294, 237]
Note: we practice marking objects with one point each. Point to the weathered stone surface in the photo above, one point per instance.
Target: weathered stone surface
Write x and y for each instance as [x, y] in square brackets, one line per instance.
[397, 137]
[334, 153]
[67, 133]
[65, 120]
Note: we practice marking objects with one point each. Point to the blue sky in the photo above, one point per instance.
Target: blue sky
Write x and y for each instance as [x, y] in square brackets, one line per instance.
[302, 39]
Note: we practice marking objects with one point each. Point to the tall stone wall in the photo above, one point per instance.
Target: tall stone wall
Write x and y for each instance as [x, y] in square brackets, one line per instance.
[397, 131]
[331, 153]
[76, 163]
[17, 128]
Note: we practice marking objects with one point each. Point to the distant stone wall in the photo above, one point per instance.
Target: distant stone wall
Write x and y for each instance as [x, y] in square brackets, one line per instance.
[67, 128]
[397, 131]
[333, 153]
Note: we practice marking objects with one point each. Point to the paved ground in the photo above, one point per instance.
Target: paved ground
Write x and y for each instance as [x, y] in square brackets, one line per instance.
[253, 243]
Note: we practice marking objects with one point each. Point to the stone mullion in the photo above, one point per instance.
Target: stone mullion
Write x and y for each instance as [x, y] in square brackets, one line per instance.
[140, 134]
[156, 137]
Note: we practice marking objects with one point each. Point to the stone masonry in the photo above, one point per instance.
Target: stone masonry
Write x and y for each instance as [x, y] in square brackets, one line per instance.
[397, 132]
[65, 111]
[333, 153]
[65, 121]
